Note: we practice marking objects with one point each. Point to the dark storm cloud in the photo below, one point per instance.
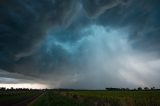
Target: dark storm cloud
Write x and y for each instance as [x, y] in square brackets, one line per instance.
[62, 39]
[7, 77]
[24, 23]
[95, 8]
[141, 17]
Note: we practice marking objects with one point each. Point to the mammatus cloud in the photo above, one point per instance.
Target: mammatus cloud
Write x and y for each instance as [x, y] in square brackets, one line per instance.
[80, 43]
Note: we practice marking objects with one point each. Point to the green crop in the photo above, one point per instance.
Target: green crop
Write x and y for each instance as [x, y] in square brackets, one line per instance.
[13, 97]
[54, 99]
[121, 98]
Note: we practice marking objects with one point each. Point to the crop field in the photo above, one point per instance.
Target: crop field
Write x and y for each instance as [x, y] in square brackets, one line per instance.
[17, 98]
[117, 98]
[80, 98]
[55, 99]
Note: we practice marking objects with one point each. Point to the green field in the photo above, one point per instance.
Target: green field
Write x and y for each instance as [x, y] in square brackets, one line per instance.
[54, 99]
[82, 98]
[99, 98]
[8, 98]
[119, 98]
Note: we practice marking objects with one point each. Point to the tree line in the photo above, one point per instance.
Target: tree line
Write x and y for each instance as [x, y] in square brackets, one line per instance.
[135, 89]
[63, 89]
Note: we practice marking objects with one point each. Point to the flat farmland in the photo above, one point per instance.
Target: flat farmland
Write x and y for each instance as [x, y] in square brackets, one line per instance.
[116, 98]
[17, 98]
[80, 98]
[98, 98]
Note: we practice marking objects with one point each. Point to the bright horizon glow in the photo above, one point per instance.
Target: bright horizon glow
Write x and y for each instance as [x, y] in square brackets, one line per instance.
[25, 85]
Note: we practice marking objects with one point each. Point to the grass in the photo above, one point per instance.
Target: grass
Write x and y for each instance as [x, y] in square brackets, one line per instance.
[121, 98]
[86, 98]
[13, 97]
[54, 99]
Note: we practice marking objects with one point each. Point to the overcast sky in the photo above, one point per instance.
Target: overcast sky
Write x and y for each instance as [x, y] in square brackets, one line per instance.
[84, 44]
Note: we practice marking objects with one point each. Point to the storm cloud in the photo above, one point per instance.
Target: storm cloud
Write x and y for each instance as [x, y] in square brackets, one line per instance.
[80, 43]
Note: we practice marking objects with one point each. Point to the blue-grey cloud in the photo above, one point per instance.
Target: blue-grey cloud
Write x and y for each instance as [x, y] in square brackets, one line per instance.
[25, 23]
[81, 43]
[95, 8]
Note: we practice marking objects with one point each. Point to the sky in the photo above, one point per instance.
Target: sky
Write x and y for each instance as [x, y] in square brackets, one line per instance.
[80, 44]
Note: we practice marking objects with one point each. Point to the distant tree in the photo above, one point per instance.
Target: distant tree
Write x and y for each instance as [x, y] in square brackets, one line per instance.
[134, 89]
[127, 89]
[146, 88]
[11, 88]
[139, 88]
[2, 89]
[153, 88]
[123, 89]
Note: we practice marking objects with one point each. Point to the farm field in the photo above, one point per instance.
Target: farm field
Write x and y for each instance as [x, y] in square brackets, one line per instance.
[117, 98]
[81, 98]
[17, 98]
[53, 98]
